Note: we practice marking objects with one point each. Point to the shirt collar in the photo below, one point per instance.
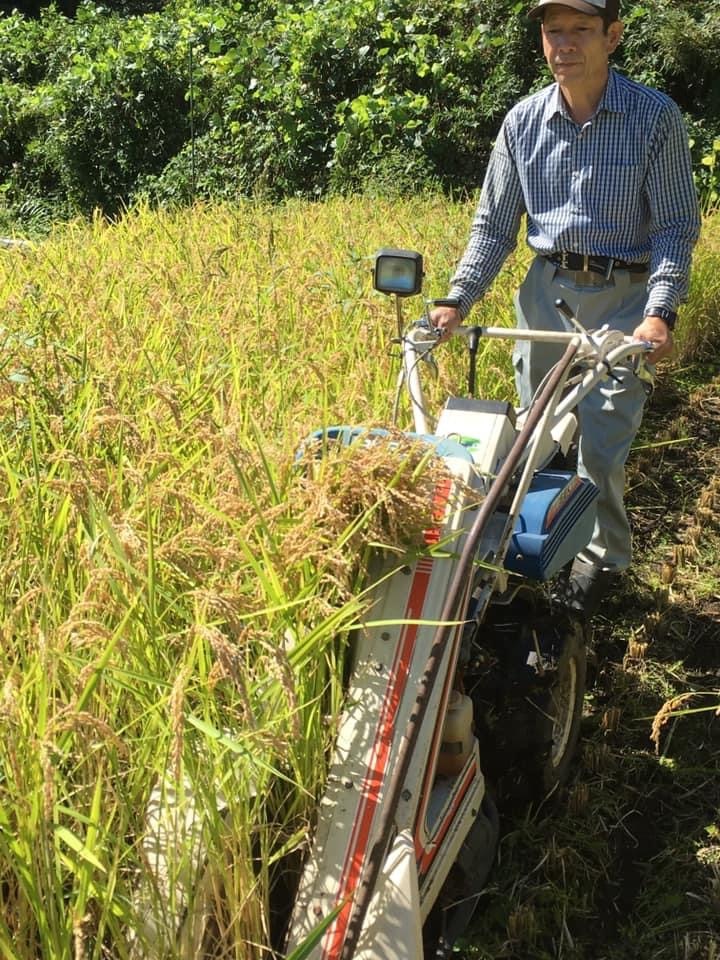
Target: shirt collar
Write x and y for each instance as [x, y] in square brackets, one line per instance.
[612, 100]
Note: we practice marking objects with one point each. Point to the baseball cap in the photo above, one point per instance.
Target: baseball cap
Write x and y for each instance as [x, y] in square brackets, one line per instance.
[607, 8]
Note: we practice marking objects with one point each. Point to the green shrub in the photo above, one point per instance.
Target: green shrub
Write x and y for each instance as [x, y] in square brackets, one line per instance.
[116, 111]
[298, 98]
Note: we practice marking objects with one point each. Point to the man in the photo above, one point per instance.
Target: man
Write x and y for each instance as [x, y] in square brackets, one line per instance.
[600, 166]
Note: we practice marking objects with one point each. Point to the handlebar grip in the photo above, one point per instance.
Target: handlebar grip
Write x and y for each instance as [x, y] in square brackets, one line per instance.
[446, 302]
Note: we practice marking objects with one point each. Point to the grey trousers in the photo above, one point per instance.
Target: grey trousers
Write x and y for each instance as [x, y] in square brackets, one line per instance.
[610, 415]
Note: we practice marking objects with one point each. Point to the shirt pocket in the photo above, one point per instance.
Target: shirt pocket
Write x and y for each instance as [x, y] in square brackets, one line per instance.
[615, 197]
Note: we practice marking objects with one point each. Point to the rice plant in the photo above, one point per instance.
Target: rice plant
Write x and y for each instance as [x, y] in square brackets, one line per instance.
[176, 589]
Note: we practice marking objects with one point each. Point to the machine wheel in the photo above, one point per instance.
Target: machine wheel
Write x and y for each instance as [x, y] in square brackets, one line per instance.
[454, 909]
[557, 712]
[528, 691]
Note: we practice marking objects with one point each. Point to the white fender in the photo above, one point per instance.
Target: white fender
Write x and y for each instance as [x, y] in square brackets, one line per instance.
[393, 926]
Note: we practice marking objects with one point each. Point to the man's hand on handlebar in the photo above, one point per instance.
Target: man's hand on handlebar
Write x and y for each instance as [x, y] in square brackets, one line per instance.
[445, 320]
[655, 331]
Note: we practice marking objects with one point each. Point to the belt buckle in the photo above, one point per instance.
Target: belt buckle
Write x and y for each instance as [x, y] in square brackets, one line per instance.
[609, 268]
[585, 263]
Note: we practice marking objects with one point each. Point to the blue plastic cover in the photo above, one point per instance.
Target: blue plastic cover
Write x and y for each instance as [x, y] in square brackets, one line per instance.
[556, 521]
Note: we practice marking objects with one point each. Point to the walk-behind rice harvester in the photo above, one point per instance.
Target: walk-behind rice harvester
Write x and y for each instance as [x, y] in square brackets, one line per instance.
[474, 679]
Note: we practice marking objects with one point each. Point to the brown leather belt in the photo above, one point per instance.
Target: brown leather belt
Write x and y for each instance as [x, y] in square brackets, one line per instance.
[582, 263]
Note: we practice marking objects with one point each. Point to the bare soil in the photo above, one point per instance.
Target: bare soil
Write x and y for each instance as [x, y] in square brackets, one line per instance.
[625, 864]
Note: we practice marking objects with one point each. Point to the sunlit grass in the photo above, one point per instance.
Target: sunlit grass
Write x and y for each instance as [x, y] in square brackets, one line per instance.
[172, 587]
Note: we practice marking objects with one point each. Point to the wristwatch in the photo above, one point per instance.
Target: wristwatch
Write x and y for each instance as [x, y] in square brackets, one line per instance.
[669, 317]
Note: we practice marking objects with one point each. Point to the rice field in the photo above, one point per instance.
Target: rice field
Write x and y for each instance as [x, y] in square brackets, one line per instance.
[173, 589]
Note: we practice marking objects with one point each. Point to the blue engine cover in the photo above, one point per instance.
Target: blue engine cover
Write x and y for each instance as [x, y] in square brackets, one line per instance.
[556, 521]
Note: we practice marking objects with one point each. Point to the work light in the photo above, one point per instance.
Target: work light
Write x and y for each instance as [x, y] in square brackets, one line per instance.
[398, 272]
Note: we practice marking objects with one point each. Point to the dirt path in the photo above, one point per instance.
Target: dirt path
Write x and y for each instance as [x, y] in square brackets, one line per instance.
[626, 865]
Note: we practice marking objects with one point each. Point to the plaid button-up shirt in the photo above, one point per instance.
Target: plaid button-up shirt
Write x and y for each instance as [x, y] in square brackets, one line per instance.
[618, 186]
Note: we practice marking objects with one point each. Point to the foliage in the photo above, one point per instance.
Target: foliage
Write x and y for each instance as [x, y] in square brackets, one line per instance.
[109, 108]
[708, 176]
[182, 100]
[355, 91]
[444, 77]
[676, 47]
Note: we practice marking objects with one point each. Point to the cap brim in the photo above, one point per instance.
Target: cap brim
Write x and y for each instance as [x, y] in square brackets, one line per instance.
[579, 5]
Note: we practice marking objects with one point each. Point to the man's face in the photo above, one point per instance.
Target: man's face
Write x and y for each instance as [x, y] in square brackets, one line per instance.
[576, 47]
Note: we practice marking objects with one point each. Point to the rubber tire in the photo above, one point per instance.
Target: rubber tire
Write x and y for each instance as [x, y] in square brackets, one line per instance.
[464, 883]
[558, 712]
